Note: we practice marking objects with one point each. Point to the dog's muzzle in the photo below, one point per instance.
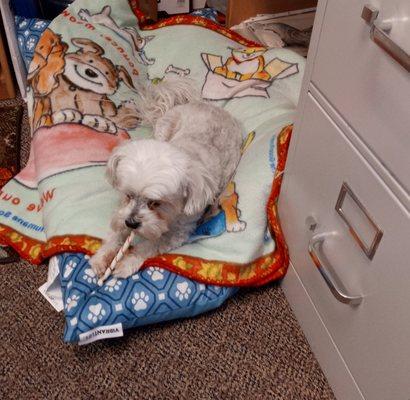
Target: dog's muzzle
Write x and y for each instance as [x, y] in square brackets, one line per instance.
[132, 224]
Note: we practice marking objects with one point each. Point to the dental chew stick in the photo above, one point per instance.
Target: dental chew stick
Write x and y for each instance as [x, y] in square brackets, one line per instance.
[117, 258]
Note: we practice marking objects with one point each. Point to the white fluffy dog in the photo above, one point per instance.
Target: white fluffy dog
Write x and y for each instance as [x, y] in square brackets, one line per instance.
[166, 183]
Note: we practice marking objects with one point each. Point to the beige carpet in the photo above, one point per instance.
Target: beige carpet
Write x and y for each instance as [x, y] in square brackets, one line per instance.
[251, 348]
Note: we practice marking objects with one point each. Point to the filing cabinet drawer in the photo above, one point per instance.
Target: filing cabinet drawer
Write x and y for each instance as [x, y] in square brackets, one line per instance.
[365, 84]
[373, 333]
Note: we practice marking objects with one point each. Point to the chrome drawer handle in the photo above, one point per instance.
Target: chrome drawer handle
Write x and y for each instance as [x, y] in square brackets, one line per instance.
[338, 290]
[382, 39]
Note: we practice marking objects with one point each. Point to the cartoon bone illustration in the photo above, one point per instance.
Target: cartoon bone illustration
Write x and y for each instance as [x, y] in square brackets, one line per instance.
[129, 34]
[176, 70]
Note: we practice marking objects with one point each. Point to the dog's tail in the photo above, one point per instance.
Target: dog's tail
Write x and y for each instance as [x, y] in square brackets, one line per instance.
[155, 99]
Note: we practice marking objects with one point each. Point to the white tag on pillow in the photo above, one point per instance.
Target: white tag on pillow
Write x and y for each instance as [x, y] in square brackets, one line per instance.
[102, 332]
[51, 290]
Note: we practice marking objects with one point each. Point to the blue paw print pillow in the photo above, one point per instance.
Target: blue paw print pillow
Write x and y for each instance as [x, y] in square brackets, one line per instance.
[150, 296]
[28, 32]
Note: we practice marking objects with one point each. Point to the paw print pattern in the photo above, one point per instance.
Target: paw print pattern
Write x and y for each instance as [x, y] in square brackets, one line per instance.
[155, 273]
[183, 291]
[40, 25]
[112, 285]
[96, 313]
[140, 301]
[71, 302]
[89, 276]
[69, 268]
[31, 43]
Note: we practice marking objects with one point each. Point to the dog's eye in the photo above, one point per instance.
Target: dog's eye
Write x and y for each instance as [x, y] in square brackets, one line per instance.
[152, 204]
[90, 61]
[128, 196]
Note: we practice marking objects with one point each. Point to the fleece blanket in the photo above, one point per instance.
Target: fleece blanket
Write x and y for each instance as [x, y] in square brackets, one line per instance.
[82, 85]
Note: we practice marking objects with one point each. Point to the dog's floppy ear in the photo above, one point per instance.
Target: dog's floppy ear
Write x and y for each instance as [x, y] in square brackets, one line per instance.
[47, 63]
[125, 77]
[200, 190]
[112, 164]
[87, 46]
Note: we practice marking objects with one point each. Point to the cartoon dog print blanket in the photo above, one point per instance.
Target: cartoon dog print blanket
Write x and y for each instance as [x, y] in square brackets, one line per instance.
[81, 90]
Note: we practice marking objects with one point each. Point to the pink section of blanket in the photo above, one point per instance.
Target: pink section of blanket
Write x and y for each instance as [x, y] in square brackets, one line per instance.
[65, 147]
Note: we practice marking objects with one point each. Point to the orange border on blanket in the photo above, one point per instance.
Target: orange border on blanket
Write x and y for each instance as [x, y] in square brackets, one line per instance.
[265, 269]
[37, 251]
[256, 273]
[184, 19]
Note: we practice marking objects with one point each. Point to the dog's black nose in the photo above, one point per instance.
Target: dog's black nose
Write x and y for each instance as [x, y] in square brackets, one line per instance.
[132, 224]
[89, 72]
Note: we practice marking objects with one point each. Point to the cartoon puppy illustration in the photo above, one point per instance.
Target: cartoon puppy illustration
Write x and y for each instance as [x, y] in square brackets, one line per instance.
[75, 86]
[86, 83]
[129, 34]
[244, 64]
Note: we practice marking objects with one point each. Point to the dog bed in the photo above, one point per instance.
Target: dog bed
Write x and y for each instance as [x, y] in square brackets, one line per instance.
[80, 98]
[150, 296]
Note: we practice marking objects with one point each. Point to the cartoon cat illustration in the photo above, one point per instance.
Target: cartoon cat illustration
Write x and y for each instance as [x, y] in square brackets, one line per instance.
[244, 64]
[246, 72]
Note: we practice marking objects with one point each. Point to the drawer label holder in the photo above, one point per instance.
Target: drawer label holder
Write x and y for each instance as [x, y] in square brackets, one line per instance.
[370, 247]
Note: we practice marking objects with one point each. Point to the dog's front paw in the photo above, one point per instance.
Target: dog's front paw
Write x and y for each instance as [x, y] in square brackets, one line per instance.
[99, 123]
[98, 264]
[67, 115]
[101, 260]
[128, 266]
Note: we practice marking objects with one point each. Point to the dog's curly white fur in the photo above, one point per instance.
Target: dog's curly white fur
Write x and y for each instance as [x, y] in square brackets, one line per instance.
[166, 183]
